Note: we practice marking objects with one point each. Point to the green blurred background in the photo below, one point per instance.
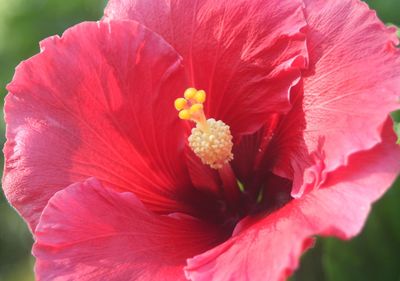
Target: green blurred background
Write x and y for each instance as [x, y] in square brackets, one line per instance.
[374, 255]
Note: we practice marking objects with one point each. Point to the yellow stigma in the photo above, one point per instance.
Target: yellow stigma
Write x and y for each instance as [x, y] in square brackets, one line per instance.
[200, 96]
[180, 103]
[210, 140]
[196, 108]
[190, 93]
[185, 114]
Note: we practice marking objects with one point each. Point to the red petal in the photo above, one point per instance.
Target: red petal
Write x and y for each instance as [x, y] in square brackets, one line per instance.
[270, 249]
[245, 54]
[252, 152]
[89, 232]
[351, 88]
[96, 102]
[203, 177]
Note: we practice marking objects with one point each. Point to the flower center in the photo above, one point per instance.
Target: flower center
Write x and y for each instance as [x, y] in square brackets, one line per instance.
[210, 140]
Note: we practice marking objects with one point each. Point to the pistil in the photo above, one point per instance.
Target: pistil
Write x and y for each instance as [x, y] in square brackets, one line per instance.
[211, 140]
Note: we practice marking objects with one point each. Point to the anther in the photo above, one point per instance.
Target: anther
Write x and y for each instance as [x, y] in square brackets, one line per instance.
[213, 147]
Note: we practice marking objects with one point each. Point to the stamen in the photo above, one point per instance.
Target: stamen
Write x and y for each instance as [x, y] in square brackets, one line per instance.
[211, 140]
[213, 147]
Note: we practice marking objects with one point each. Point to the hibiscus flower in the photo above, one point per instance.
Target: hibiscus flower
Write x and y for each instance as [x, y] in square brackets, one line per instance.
[282, 133]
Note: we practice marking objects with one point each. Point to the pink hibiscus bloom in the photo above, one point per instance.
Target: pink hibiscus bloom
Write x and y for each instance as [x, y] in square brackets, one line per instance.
[285, 135]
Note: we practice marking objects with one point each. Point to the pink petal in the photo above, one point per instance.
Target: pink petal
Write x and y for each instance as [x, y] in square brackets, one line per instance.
[270, 248]
[352, 86]
[90, 232]
[245, 54]
[96, 102]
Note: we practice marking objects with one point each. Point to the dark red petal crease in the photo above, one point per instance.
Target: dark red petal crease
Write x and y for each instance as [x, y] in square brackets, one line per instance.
[269, 248]
[96, 102]
[245, 54]
[90, 232]
[351, 87]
